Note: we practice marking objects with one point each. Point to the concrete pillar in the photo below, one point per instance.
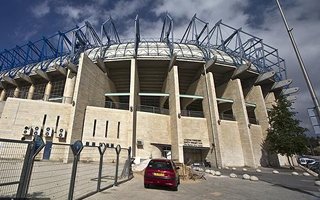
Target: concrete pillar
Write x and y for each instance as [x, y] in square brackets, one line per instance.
[69, 87]
[234, 91]
[133, 103]
[3, 95]
[47, 91]
[175, 115]
[270, 100]
[31, 92]
[211, 113]
[16, 92]
[255, 95]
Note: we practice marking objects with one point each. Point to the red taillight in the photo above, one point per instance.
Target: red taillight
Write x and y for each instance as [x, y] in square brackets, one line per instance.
[169, 173]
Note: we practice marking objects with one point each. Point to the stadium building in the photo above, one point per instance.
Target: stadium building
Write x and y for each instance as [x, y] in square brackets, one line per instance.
[204, 96]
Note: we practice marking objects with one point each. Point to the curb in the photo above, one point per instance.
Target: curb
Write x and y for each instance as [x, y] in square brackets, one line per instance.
[309, 171]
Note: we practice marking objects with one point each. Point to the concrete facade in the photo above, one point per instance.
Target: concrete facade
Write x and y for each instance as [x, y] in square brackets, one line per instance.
[115, 103]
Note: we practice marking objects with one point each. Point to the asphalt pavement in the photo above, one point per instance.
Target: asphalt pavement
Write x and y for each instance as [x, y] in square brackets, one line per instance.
[271, 186]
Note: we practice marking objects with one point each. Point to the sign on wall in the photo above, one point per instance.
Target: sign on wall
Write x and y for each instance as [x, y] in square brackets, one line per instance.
[192, 142]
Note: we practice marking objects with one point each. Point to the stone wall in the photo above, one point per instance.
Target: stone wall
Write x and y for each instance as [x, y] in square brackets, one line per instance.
[18, 113]
[104, 116]
[230, 144]
[195, 128]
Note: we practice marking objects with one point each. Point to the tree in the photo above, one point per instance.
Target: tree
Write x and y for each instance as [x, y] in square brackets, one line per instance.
[285, 136]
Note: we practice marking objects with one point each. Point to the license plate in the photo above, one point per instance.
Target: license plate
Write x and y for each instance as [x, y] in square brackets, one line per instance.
[158, 174]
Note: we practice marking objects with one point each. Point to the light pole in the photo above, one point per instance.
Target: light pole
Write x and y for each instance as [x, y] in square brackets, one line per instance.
[305, 74]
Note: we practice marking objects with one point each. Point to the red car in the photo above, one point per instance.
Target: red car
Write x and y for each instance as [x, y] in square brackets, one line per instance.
[161, 172]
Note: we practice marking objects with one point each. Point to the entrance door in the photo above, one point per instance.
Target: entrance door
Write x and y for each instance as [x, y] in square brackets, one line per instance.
[47, 150]
[192, 155]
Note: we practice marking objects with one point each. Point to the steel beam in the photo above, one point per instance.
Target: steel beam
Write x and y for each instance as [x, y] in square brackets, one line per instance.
[9, 80]
[290, 91]
[281, 84]
[60, 69]
[241, 70]
[72, 67]
[42, 74]
[172, 61]
[24, 77]
[264, 76]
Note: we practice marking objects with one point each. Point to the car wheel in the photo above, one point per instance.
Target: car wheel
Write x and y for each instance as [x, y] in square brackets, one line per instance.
[175, 188]
[146, 186]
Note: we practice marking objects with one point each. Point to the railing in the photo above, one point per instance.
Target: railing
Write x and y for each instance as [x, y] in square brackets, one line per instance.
[117, 105]
[41, 96]
[191, 113]
[224, 116]
[153, 109]
[34, 169]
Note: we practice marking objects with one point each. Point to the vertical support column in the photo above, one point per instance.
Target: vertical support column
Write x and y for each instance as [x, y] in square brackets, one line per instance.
[133, 102]
[256, 96]
[270, 100]
[47, 91]
[16, 92]
[3, 95]
[210, 110]
[31, 91]
[69, 87]
[175, 115]
[234, 91]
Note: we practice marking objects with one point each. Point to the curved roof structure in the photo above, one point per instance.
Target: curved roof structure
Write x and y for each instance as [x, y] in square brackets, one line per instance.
[66, 47]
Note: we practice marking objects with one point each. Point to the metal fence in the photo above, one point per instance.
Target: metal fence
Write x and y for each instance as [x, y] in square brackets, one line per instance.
[192, 113]
[153, 109]
[68, 171]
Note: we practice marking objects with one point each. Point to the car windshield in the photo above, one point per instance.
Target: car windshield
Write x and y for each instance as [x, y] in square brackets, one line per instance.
[160, 165]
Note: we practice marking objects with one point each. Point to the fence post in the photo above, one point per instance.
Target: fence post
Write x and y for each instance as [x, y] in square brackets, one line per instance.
[102, 149]
[32, 151]
[118, 149]
[76, 149]
[129, 161]
[23, 177]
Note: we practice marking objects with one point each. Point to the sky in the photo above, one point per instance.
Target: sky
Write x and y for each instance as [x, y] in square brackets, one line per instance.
[25, 20]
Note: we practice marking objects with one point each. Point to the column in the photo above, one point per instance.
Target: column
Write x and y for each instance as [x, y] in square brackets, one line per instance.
[69, 87]
[47, 91]
[133, 102]
[31, 91]
[175, 115]
[210, 111]
[3, 95]
[234, 91]
[16, 92]
[255, 95]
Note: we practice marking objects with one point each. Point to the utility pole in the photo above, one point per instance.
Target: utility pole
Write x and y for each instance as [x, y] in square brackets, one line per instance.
[305, 74]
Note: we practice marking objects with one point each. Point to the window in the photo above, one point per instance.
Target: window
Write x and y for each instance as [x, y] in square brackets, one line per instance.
[39, 91]
[106, 131]
[94, 127]
[118, 132]
[57, 88]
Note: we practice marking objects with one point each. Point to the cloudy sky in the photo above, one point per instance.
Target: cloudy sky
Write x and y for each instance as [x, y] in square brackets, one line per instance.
[23, 20]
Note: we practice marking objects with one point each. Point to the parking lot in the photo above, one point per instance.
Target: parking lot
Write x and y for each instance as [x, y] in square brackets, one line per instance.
[270, 186]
